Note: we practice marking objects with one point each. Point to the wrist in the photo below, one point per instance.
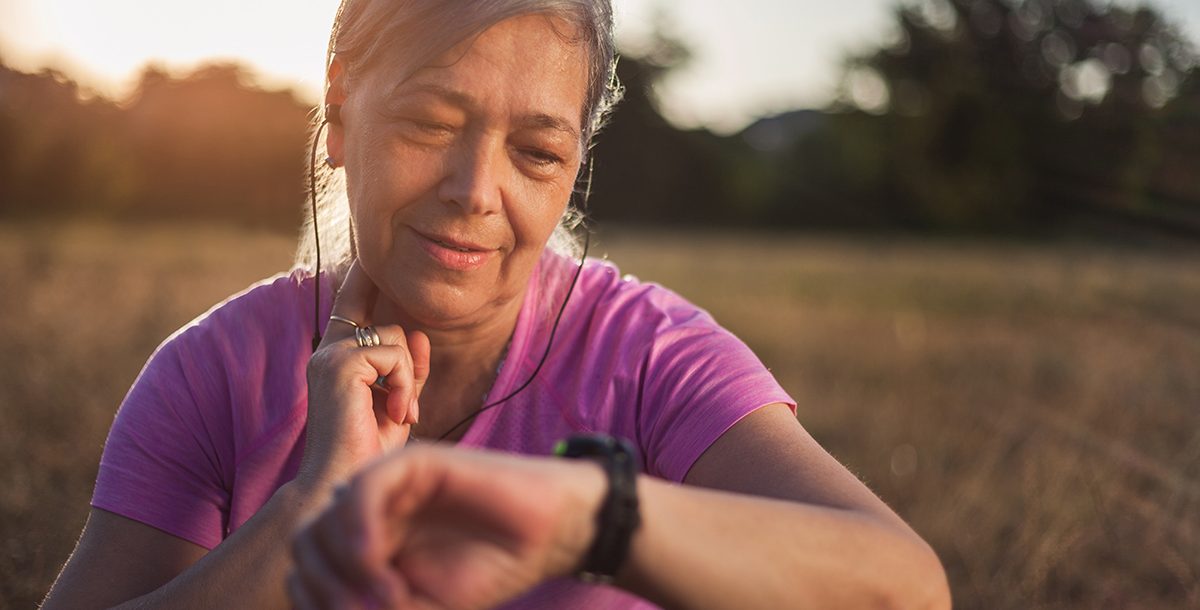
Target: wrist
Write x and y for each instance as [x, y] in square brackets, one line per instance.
[307, 496]
[583, 489]
[322, 471]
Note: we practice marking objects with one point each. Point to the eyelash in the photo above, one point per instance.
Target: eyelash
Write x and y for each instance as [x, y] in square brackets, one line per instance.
[430, 127]
[540, 157]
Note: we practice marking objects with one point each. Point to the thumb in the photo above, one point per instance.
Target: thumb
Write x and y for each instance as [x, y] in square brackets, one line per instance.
[418, 349]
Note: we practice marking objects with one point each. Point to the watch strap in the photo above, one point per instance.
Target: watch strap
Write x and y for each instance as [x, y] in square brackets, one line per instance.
[619, 516]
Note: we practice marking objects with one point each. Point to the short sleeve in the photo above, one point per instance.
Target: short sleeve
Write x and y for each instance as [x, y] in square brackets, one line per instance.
[160, 464]
[699, 380]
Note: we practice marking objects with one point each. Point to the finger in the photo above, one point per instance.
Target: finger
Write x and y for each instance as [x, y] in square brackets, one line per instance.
[398, 408]
[368, 536]
[391, 341]
[386, 369]
[402, 381]
[367, 506]
[389, 367]
[419, 351]
[355, 301]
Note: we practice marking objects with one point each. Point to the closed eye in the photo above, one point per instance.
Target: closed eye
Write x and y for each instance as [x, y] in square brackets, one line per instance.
[542, 157]
[431, 127]
[424, 132]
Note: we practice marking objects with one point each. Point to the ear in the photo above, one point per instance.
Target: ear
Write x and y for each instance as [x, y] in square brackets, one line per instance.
[335, 93]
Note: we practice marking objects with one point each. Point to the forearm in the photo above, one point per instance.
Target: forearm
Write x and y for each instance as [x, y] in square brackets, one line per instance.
[248, 569]
[707, 549]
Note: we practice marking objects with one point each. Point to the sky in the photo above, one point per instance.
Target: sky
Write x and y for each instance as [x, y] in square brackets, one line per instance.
[751, 57]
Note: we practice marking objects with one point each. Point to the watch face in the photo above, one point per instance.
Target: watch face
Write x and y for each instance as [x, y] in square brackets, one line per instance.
[584, 445]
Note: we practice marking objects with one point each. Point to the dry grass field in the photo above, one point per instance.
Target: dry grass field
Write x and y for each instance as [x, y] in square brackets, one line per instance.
[1033, 410]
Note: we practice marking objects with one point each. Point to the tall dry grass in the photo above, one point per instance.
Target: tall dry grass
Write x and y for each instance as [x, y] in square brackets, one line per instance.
[1033, 410]
[83, 307]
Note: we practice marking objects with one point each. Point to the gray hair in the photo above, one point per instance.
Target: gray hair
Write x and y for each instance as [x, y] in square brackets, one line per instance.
[413, 33]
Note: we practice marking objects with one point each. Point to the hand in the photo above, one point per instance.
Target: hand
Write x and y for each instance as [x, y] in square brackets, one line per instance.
[436, 527]
[351, 420]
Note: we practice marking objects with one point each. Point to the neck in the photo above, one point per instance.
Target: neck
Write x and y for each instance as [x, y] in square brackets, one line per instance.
[463, 364]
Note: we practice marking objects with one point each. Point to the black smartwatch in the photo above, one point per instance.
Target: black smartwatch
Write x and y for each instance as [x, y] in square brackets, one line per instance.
[618, 517]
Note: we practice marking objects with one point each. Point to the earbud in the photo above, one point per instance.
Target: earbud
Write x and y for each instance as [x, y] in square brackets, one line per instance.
[333, 114]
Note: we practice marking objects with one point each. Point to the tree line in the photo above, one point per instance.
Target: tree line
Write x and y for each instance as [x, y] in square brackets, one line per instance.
[976, 115]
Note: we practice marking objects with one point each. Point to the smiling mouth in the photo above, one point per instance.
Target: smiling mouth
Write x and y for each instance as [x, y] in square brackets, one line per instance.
[453, 254]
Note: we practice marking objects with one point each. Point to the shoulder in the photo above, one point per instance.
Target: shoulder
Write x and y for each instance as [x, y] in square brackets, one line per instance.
[267, 308]
[254, 342]
[610, 312]
[638, 309]
[248, 345]
[244, 356]
[604, 288]
[643, 362]
[202, 403]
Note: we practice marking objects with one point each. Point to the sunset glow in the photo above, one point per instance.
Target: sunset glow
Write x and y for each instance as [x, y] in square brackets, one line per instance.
[111, 41]
[750, 58]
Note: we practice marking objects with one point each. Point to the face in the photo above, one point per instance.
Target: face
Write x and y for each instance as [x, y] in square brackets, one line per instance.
[458, 175]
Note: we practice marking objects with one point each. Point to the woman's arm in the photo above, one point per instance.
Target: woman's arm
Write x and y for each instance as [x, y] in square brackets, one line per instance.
[349, 422]
[118, 559]
[436, 527]
[125, 563]
[822, 540]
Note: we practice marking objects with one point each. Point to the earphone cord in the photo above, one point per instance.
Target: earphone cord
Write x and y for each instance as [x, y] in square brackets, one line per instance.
[312, 193]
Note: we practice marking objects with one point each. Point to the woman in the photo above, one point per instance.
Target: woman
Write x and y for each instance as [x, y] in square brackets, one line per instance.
[459, 129]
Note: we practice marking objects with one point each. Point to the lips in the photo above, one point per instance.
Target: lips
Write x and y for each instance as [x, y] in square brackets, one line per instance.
[457, 245]
[454, 247]
[455, 254]
[453, 243]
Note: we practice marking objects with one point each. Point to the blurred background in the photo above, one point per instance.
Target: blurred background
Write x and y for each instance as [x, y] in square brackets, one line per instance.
[963, 233]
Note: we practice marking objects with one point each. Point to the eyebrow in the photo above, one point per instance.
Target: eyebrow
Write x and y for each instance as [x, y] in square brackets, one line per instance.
[539, 120]
[547, 121]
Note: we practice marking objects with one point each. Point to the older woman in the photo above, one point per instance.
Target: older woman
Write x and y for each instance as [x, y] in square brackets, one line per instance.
[459, 129]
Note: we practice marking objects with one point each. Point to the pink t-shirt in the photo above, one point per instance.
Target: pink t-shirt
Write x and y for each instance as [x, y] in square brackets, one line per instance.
[214, 424]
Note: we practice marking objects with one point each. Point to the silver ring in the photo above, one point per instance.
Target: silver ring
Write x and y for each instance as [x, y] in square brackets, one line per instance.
[337, 318]
[366, 336]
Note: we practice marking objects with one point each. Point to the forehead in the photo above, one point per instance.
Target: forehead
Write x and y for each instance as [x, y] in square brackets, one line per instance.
[528, 64]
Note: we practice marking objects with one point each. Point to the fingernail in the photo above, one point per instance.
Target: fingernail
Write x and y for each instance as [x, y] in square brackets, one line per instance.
[396, 412]
[415, 409]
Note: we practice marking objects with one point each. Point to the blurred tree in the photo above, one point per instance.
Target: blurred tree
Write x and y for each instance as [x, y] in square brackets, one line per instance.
[1174, 187]
[1003, 114]
[647, 170]
[203, 146]
[58, 146]
[210, 144]
[980, 115]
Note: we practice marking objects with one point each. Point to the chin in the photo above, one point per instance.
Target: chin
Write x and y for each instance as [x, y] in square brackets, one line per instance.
[434, 304]
[428, 296]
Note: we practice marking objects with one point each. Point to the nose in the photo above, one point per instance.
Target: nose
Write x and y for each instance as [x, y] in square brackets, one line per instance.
[473, 176]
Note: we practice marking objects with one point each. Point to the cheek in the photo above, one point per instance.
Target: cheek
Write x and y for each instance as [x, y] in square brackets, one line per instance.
[386, 177]
[535, 220]
[557, 195]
